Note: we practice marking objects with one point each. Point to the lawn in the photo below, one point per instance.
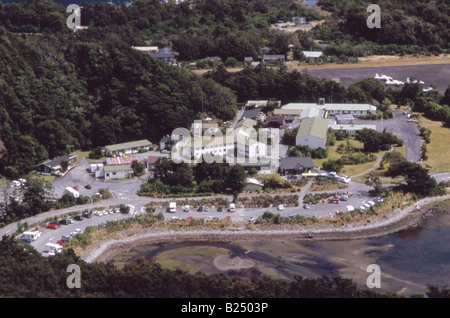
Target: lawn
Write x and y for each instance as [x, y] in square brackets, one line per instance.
[438, 150]
[80, 155]
[348, 170]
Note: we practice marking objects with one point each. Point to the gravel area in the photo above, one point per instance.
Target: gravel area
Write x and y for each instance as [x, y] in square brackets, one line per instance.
[396, 221]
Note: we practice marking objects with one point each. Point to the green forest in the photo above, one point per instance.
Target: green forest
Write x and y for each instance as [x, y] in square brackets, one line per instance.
[62, 90]
[24, 273]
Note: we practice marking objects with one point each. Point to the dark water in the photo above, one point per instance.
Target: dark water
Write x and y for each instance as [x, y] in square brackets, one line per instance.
[419, 255]
[409, 260]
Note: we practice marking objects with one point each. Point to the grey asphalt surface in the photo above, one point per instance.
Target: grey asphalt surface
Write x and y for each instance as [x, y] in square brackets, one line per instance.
[437, 74]
[400, 126]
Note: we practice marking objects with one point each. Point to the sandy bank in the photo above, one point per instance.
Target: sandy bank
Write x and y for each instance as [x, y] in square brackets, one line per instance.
[397, 220]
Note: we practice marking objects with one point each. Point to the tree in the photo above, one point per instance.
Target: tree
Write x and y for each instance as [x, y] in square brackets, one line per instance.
[417, 179]
[236, 178]
[138, 168]
[36, 195]
[373, 179]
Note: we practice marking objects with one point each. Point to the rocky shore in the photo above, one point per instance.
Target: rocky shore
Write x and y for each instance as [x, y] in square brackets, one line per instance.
[398, 220]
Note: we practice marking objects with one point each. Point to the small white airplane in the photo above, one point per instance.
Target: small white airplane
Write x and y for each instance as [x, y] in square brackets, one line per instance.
[382, 77]
[414, 82]
[393, 81]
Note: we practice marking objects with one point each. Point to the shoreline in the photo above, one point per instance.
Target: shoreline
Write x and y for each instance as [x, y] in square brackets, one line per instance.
[398, 220]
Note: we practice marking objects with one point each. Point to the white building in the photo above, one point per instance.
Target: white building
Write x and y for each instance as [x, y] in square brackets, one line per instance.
[335, 109]
[127, 147]
[351, 129]
[312, 132]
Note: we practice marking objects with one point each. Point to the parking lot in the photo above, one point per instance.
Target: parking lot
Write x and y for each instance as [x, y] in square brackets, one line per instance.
[400, 126]
[355, 199]
[77, 225]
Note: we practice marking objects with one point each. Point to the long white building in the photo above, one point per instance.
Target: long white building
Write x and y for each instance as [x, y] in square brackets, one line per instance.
[334, 109]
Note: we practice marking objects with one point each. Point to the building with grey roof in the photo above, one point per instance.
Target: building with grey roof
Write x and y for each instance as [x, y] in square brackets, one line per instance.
[295, 165]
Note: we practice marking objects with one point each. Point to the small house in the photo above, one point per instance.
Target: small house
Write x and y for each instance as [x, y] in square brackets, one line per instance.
[56, 166]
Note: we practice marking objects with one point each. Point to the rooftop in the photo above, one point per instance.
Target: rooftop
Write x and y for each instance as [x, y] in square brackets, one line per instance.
[117, 168]
[291, 163]
[315, 126]
[343, 106]
[153, 159]
[57, 161]
[127, 145]
[313, 54]
[119, 160]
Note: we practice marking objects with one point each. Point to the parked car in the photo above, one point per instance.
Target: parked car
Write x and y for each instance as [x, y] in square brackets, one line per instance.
[378, 199]
[280, 207]
[343, 197]
[186, 208]
[61, 241]
[189, 218]
[78, 217]
[206, 208]
[252, 218]
[200, 209]
[334, 201]
[88, 186]
[227, 217]
[52, 226]
[220, 209]
[87, 215]
[306, 206]
[26, 239]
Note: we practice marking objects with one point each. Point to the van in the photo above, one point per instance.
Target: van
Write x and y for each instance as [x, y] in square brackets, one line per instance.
[232, 207]
[172, 207]
[30, 235]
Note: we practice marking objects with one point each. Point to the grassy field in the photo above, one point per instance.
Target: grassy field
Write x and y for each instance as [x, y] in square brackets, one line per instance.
[438, 150]
[349, 170]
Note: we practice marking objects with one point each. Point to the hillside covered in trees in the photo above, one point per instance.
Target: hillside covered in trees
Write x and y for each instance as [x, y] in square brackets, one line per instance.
[407, 27]
[62, 90]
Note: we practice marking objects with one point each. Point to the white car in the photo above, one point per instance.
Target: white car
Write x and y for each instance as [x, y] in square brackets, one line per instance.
[252, 218]
[280, 207]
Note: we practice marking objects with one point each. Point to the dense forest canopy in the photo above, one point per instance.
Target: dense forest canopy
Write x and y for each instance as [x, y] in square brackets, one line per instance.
[62, 90]
[407, 27]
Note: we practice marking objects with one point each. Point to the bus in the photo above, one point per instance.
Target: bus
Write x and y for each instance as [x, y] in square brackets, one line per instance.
[73, 192]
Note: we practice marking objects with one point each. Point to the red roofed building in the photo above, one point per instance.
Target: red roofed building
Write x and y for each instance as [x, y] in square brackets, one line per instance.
[151, 161]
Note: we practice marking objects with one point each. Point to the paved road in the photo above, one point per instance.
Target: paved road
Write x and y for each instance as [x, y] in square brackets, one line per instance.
[400, 126]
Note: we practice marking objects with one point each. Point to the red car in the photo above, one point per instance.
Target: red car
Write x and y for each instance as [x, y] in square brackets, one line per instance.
[61, 241]
[76, 187]
[52, 226]
[335, 201]
[227, 217]
[189, 219]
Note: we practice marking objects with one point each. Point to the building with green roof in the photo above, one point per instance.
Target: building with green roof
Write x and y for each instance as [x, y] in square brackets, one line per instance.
[312, 132]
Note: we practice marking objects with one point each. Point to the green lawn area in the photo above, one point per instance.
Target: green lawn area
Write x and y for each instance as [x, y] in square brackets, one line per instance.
[80, 155]
[348, 170]
[438, 150]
